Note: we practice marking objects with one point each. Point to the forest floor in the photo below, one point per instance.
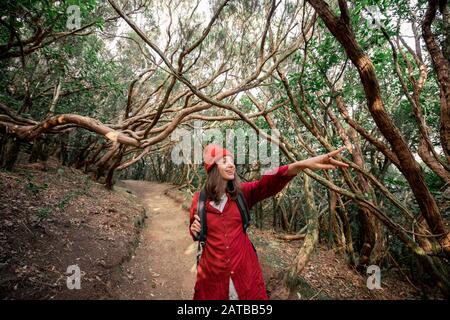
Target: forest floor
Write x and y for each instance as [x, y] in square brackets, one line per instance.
[133, 243]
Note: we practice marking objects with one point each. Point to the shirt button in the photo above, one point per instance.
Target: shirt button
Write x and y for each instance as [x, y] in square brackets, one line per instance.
[228, 247]
[232, 272]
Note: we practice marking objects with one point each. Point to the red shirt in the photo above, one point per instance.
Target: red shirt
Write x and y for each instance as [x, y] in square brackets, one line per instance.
[228, 251]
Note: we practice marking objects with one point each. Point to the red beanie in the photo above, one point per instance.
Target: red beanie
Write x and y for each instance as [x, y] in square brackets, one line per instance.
[213, 153]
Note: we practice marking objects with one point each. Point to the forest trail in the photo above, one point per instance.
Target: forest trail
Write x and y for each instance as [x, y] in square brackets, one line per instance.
[162, 264]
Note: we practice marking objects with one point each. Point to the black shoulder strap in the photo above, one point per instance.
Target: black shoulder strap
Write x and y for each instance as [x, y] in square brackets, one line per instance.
[201, 212]
[245, 214]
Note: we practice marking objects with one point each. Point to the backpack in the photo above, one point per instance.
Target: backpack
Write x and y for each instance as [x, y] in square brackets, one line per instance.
[201, 212]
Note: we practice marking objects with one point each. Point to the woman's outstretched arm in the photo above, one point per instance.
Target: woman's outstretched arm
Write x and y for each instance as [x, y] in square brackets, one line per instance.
[324, 161]
[274, 181]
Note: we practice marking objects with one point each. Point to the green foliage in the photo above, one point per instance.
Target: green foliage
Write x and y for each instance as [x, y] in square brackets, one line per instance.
[43, 213]
[53, 14]
[35, 188]
[87, 72]
[66, 199]
[433, 181]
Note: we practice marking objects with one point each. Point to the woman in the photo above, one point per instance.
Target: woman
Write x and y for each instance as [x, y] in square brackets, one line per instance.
[229, 267]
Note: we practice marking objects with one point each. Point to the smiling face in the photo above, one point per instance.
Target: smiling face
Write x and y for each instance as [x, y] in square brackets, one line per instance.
[226, 168]
[222, 177]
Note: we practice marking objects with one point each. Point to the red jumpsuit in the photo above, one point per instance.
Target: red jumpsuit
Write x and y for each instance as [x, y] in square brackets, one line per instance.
[228, 251]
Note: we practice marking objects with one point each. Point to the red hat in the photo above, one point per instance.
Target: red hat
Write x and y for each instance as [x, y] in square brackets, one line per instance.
[213, 153]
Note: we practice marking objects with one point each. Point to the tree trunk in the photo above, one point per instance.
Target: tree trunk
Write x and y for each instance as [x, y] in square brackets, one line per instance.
[39, 151]
[348, 234]
[311, 236]
[9, 152]
[115, 163]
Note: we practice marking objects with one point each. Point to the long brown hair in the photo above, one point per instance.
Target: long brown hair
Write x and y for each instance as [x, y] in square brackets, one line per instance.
[215, 184]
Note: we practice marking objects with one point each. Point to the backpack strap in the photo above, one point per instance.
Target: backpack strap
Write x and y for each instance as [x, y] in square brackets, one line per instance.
[245, 214]
[201, 212]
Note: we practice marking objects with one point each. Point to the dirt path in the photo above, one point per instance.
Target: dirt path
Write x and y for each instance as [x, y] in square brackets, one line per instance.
[163, 266]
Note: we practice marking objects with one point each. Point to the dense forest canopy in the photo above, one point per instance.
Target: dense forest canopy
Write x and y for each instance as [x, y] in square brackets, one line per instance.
[104, 84]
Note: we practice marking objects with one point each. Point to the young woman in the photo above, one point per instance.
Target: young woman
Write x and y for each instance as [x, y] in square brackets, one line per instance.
[229, 267]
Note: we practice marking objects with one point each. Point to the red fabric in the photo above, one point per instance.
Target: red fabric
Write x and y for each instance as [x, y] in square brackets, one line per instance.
[228, 251]
[213, 153]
